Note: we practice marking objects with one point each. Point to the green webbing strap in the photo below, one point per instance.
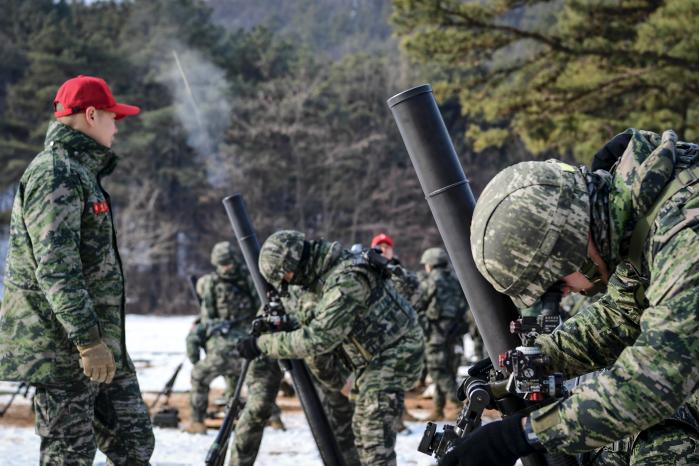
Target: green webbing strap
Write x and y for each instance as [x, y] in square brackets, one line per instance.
[640, 232]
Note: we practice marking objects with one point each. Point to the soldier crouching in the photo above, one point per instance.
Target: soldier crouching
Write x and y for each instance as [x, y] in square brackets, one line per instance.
[228, 306]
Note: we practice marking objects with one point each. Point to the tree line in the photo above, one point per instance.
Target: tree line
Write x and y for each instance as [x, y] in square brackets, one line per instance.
[286, 105]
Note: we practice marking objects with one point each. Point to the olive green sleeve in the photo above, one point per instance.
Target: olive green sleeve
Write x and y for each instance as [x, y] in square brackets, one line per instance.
[594, 338]
[653, 376]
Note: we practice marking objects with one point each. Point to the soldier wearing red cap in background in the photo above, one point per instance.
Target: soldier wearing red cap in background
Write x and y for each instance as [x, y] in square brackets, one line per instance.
[404, 280]
[407, 283]
[62, 315]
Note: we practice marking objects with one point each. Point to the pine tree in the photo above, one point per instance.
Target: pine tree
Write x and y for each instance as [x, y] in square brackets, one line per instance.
[562, 75]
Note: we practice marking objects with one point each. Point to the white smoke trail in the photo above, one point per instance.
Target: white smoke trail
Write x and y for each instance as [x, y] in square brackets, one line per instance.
[200, 94]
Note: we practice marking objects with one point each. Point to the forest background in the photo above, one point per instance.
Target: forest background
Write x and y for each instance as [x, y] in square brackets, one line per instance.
[287, 107]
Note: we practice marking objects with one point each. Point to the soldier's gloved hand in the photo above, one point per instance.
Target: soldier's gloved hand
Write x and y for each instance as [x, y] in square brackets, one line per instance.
[98, 362]
[248, 348]
[499, 443]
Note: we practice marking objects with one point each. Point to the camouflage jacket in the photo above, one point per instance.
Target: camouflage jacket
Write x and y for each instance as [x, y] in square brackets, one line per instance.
[329, 369]
[64, 284]
[228, 306]
[572, 303]
[441, 306]
[358, 310]
[300, 305]
[646, 327]
[404, 280]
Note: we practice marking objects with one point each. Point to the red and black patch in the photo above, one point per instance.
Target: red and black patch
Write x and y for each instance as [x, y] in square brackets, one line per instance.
[101, 207]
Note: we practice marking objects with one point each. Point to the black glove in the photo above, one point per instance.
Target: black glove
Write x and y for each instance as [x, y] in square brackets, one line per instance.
[499, 443]
[248, 348]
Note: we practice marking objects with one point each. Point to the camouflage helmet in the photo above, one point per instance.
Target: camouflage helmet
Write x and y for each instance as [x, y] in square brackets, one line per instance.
[223, 253]
[434, 257]
[281, 253]
[530, 228]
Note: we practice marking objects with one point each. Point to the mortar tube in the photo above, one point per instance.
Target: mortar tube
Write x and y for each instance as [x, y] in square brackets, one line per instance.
[451, 202]
[323, 433]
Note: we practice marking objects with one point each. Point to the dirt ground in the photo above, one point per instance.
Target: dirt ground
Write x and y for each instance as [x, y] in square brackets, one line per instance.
[20, 413]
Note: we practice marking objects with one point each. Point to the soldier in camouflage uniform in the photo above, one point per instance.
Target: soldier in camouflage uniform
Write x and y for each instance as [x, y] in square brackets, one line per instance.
[358, 311]
[62, 315]
[228, 306]
[540, 222]
[442, 308]
[406, 283]
[264, 378]
[330, 373]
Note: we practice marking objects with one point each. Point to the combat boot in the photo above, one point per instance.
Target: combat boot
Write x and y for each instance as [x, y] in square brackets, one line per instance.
[195, 427]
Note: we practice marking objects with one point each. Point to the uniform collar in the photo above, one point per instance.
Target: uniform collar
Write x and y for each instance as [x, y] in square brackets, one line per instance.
[97, 158]
[323, 256]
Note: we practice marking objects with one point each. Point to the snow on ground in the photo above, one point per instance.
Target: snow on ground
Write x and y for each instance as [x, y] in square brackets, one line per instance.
[294, 447]
[157, 346]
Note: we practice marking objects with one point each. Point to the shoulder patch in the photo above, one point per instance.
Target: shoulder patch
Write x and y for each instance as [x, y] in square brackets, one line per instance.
[566, 168]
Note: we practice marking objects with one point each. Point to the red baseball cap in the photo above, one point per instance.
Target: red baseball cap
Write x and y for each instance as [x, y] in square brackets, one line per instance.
[381, 238]
[78, 93]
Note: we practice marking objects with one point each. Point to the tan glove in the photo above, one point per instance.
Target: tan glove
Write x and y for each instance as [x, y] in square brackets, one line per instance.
[98, 362]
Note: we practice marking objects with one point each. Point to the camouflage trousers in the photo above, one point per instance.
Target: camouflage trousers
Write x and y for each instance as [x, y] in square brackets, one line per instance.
[204, 372]
[374, 424]
[666, 443]
[74, 421]
[330, 374]
[379, 396]
[441, 367]
[263, 379]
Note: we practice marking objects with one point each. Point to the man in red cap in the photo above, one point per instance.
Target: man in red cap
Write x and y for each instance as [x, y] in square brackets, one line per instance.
[385, 243]
[62, 315]
[405, 281]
